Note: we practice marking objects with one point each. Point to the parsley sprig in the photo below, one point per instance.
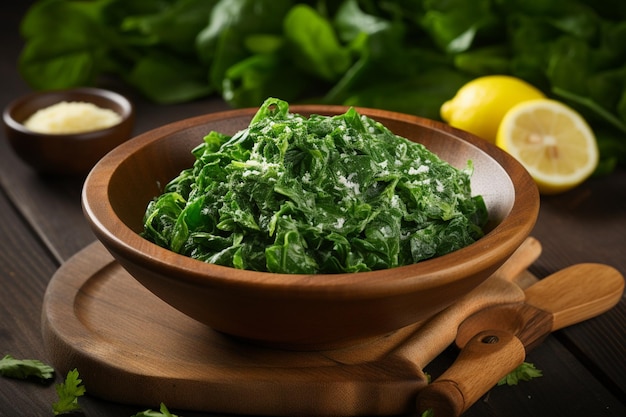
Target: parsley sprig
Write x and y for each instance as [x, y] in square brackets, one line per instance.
[68, 393]
[164, 412]
[25, 368]
[525, 372]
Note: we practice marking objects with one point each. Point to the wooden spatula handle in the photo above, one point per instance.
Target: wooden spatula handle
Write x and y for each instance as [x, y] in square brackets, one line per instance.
[487, 358]
[522, 258]
[440, 331]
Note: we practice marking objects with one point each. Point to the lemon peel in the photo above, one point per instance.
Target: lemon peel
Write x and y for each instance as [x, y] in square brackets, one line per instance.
[479, 106]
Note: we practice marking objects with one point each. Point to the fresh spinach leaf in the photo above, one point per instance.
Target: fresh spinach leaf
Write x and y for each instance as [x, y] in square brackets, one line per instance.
[405, 56]
[222, 43]
[314, 43]
[166, 78]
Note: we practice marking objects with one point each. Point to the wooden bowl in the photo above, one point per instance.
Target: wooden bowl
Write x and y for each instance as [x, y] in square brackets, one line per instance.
[303, 312]
[73, 153]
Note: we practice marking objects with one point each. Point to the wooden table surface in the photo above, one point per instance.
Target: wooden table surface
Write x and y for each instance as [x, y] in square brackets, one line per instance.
[42, 225]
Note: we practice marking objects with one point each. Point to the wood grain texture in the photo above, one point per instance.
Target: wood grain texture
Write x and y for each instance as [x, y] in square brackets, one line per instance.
[567, 297]
[577, 293]
[501, 288]
[99, 319]
[23, 281]
[102, 321]
[497, 338]
[564, 379]
[66, 154]
[588, 224]
[302, 311]
[486, 358]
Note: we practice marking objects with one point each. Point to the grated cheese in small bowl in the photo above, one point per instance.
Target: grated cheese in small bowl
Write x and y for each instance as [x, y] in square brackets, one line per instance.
[68, 117]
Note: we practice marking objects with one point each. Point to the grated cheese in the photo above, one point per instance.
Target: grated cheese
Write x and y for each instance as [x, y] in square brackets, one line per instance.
[72, 117]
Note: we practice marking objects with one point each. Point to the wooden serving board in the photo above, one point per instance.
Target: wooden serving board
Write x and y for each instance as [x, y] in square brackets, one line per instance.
[131, 347]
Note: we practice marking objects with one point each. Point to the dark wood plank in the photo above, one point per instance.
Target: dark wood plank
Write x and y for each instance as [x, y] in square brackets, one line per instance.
[601, 346]
[24, 268]
[588, 224]
[566, 389]
[583, 365]
[93, 308]
[51, 206]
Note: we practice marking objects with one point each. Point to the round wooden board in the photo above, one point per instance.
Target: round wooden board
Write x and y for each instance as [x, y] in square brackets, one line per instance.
[131, 347]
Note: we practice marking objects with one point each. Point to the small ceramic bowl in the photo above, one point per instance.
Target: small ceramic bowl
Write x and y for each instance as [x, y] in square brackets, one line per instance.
[74, 153]
[295, 311]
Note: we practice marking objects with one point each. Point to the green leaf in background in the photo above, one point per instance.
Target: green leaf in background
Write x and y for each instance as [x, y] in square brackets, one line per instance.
[174, 27]
[357, 52]
[422, 95]
[65, 44]
[53, 16]
[455, 24]
[377, 42]
[314, 43]
[568, 65]
[165, 78]
[351, 21]
[222, 43]
[254, 79]
[484, 61]
[59, 62]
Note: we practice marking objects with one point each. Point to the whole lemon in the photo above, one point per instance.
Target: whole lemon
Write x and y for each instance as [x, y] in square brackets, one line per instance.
[480, 105]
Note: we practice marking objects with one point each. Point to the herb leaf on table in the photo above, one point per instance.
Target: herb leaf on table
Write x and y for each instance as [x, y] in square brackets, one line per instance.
[68, 393]
[525, 372]
[25, 368]
[163, 412]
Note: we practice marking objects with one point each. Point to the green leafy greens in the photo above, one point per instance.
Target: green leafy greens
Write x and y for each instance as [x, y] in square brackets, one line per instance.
[163, 412]
[525, 372]
[406, 56]
[322, 194]
[25, 368]
[68, 393]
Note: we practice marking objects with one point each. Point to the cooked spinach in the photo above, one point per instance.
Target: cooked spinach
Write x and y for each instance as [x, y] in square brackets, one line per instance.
[324, 194]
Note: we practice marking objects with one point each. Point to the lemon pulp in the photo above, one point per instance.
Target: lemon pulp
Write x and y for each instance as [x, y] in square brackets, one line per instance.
[552, 141]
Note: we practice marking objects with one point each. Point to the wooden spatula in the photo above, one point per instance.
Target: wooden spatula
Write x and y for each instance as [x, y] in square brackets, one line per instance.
[495, 340]
[393, 377]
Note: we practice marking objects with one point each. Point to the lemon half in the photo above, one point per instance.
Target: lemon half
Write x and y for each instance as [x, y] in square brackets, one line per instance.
[479, 106]
[552, 141]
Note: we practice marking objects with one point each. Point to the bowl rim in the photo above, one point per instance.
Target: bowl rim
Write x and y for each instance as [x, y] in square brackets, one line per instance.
[122, 241]
[109, 95]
